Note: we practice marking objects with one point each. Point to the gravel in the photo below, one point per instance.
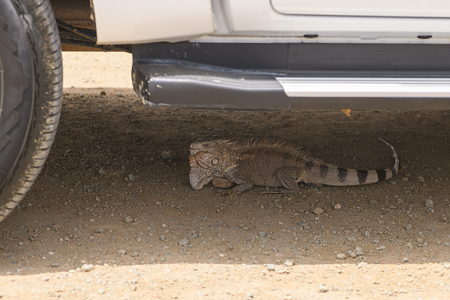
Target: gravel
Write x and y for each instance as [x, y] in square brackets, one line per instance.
[183, 242]
[323, 289]
[340, 256]
[128, 219]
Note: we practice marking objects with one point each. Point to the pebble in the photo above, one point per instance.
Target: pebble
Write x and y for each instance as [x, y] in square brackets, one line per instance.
[318, 211]
[162, 238]
[86, 268]
[408, 227]
[54, 265]
[167, 155]
[134, 254]
[429, 203]
[249, 295]
[405, 259]
[340, 256]
[101, 291]
[121, 252]
[131, 177]
[405, 179]
[270, 267]
[352, 254]
[420, 179]
[289, 262]
[372, 201]
[304, 226]
[183, 242]
[323, 289]
[337, 206]
[100, 230]
[128, 219]
[262, 233]
[359, 251]
[230, 247]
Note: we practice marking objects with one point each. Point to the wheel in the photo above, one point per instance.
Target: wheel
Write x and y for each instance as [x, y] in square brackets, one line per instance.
[30, 94]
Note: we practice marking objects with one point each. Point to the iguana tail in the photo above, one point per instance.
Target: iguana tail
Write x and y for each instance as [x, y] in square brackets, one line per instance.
[329, 175]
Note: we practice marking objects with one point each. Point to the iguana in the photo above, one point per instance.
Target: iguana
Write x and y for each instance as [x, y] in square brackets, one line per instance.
[271, 163]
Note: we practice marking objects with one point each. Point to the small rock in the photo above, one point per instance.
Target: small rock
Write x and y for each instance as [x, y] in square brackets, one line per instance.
[249, 296]
[102, 93]
[101, 291]
[121, 252]
[405, 179]
[405, 259]
[54, 265]
[162, 238]
[367, 234]
[359, 251]
[102, 172]
[129, 219]
[289, 262]
[100, 230]
[372, 201]
[318, 211]
[340, 256]
[429, 203]
[304, 226]
[408, 227]
[323, 289]
[167, 155]
[222, 183]
[230, 247]
[270, 267]
[45, 278]
[420, 179]
[262, 233]
[131, 177]
[400, 201]
[183, 242]
[135, 254]
[86, 268]
[337, 206]
[352, 254]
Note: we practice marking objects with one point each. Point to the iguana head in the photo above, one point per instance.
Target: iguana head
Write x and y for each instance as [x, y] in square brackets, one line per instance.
[207, 160]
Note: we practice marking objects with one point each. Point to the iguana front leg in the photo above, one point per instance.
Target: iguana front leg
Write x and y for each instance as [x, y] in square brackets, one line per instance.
[289, 176]
[242, 183]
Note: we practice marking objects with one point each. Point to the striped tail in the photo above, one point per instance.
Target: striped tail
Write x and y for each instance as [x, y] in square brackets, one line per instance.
[323, 174]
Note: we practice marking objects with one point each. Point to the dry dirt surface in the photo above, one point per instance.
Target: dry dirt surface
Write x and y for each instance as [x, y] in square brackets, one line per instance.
[113, 216]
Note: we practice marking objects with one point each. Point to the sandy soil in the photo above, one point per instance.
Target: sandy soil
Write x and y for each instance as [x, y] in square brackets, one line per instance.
[113, 216]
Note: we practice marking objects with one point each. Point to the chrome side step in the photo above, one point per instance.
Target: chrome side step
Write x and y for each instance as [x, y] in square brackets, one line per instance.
[366, 87]
[177, 84]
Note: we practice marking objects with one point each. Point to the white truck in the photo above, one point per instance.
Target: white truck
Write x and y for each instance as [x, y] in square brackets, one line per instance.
[218, 54]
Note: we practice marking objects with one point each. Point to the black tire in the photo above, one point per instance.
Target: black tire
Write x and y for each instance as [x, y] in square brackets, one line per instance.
[30, 94]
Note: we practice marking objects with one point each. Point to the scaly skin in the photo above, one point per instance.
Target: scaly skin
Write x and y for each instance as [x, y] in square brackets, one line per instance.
[271, 163]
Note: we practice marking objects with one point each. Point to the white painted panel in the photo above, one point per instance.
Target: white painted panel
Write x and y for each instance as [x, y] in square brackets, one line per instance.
[258, 18]
[381, 8]
[138, 21]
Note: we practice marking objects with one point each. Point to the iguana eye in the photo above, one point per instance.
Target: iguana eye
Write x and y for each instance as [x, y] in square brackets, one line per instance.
[214, 161]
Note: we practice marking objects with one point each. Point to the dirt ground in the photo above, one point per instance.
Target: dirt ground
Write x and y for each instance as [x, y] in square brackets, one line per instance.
[113, 216]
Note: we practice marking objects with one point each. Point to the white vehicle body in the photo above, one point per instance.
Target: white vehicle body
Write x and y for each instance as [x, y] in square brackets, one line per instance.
[272, 21]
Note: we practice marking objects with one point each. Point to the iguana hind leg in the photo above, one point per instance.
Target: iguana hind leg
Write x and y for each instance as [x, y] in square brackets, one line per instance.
[289, 176]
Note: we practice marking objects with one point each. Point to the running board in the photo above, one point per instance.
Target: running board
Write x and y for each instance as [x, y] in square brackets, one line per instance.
[177, 84]
[366, 87]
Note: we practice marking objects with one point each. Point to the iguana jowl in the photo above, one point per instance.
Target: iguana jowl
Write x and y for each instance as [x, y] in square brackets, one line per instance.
[271, 163]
